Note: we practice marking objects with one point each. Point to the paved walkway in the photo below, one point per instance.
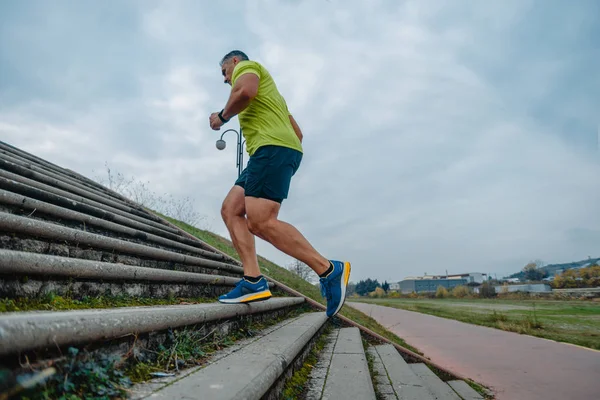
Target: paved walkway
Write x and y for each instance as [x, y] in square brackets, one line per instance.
[514, 366]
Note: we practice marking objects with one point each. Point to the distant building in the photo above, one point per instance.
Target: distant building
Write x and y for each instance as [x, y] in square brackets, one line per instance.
[526, 288]
[395, 286]
[429, 284]
[471, 277]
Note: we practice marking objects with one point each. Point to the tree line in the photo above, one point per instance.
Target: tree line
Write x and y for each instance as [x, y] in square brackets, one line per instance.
[578, 278]
[364, 287]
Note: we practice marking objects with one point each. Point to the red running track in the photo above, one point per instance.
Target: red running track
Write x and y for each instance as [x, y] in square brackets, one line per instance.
[513, 366]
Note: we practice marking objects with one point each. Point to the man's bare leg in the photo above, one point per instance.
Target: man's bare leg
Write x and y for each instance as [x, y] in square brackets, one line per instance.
[233, 212]
[262, 221]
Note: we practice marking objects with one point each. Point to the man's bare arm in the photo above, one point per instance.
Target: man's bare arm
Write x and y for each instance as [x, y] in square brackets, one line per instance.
[296, 128]
[242, 93]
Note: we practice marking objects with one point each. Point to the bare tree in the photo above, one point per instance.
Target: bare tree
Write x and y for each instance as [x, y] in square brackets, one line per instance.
[140, 193]
[302, 270]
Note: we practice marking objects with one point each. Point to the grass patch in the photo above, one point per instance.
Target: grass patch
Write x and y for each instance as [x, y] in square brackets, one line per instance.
[289, 279]
[295, 387]
[54, 302]
[570, 321]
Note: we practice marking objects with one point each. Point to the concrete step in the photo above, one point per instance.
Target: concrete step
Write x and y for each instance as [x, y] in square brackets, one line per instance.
[19, 184]
[32, 166]
[146, 389]
[78, 278]
[249, 373]
[32, 172]
[348, 375]
[52, 233]
[318, 373]
[379, 374]
[25, 156]
[440, 389]
[465, 391]
[407, 385]
[25, 331]
[39, 210]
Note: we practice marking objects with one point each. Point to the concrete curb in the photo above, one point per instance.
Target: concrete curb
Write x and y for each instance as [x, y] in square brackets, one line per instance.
[55, 211]
[25, 263]
[22, 225]
[32, 330]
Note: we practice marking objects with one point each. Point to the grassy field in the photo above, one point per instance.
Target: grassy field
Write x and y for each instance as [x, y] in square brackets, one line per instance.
[576, 322]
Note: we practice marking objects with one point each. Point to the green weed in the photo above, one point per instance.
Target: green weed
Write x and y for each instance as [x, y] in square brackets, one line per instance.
[83, 376]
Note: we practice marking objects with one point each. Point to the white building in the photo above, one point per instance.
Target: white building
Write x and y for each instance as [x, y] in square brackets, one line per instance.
[471, 277]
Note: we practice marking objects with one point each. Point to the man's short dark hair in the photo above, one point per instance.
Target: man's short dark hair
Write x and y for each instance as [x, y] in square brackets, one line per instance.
[234, 53]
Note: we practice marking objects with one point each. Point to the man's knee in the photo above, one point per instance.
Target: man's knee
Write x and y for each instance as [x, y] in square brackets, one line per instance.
[225, 211]
[233, 206]
[254, 227]
[260, 228]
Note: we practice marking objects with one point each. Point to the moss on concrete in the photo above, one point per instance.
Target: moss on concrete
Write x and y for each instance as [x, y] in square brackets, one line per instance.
[53, 302]
[295, 387]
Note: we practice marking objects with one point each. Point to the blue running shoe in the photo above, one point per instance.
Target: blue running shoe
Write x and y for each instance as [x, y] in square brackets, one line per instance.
[333, 287]
[246, 292]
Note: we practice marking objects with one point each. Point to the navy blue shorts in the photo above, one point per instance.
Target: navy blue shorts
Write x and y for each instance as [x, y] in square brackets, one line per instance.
[269, 172]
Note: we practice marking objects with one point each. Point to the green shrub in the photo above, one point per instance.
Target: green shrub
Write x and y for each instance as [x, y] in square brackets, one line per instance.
[460, 291]
[441, 292]
[487, 290]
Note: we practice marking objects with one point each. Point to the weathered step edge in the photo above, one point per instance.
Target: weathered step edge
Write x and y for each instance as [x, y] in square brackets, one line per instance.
[39, 191]
[440, 389]
[19, 184]
[22, 225]
[261, 382]
[25, 263]
[464, 390]
[40, 161]
[382, 381]
[28, 203]
[405, 382]
[61, 177]
[51, 179]
[348, 373]
[26, 331]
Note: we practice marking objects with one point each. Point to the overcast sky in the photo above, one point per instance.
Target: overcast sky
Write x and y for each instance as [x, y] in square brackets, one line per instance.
[439, 135]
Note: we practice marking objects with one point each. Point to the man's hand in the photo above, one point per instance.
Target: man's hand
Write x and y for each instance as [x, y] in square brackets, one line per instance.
[215, 121]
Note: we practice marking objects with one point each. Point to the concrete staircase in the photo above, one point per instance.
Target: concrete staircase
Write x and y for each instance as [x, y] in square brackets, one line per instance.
[159, 331]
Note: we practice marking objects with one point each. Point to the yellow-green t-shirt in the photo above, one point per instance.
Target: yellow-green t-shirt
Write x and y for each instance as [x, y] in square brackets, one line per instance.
[266, 120]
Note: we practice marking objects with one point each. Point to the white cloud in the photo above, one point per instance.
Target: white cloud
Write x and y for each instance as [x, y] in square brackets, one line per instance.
[434, 135]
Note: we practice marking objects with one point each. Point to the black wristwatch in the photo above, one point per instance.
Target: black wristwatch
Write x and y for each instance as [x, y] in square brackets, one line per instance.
[223, 120]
